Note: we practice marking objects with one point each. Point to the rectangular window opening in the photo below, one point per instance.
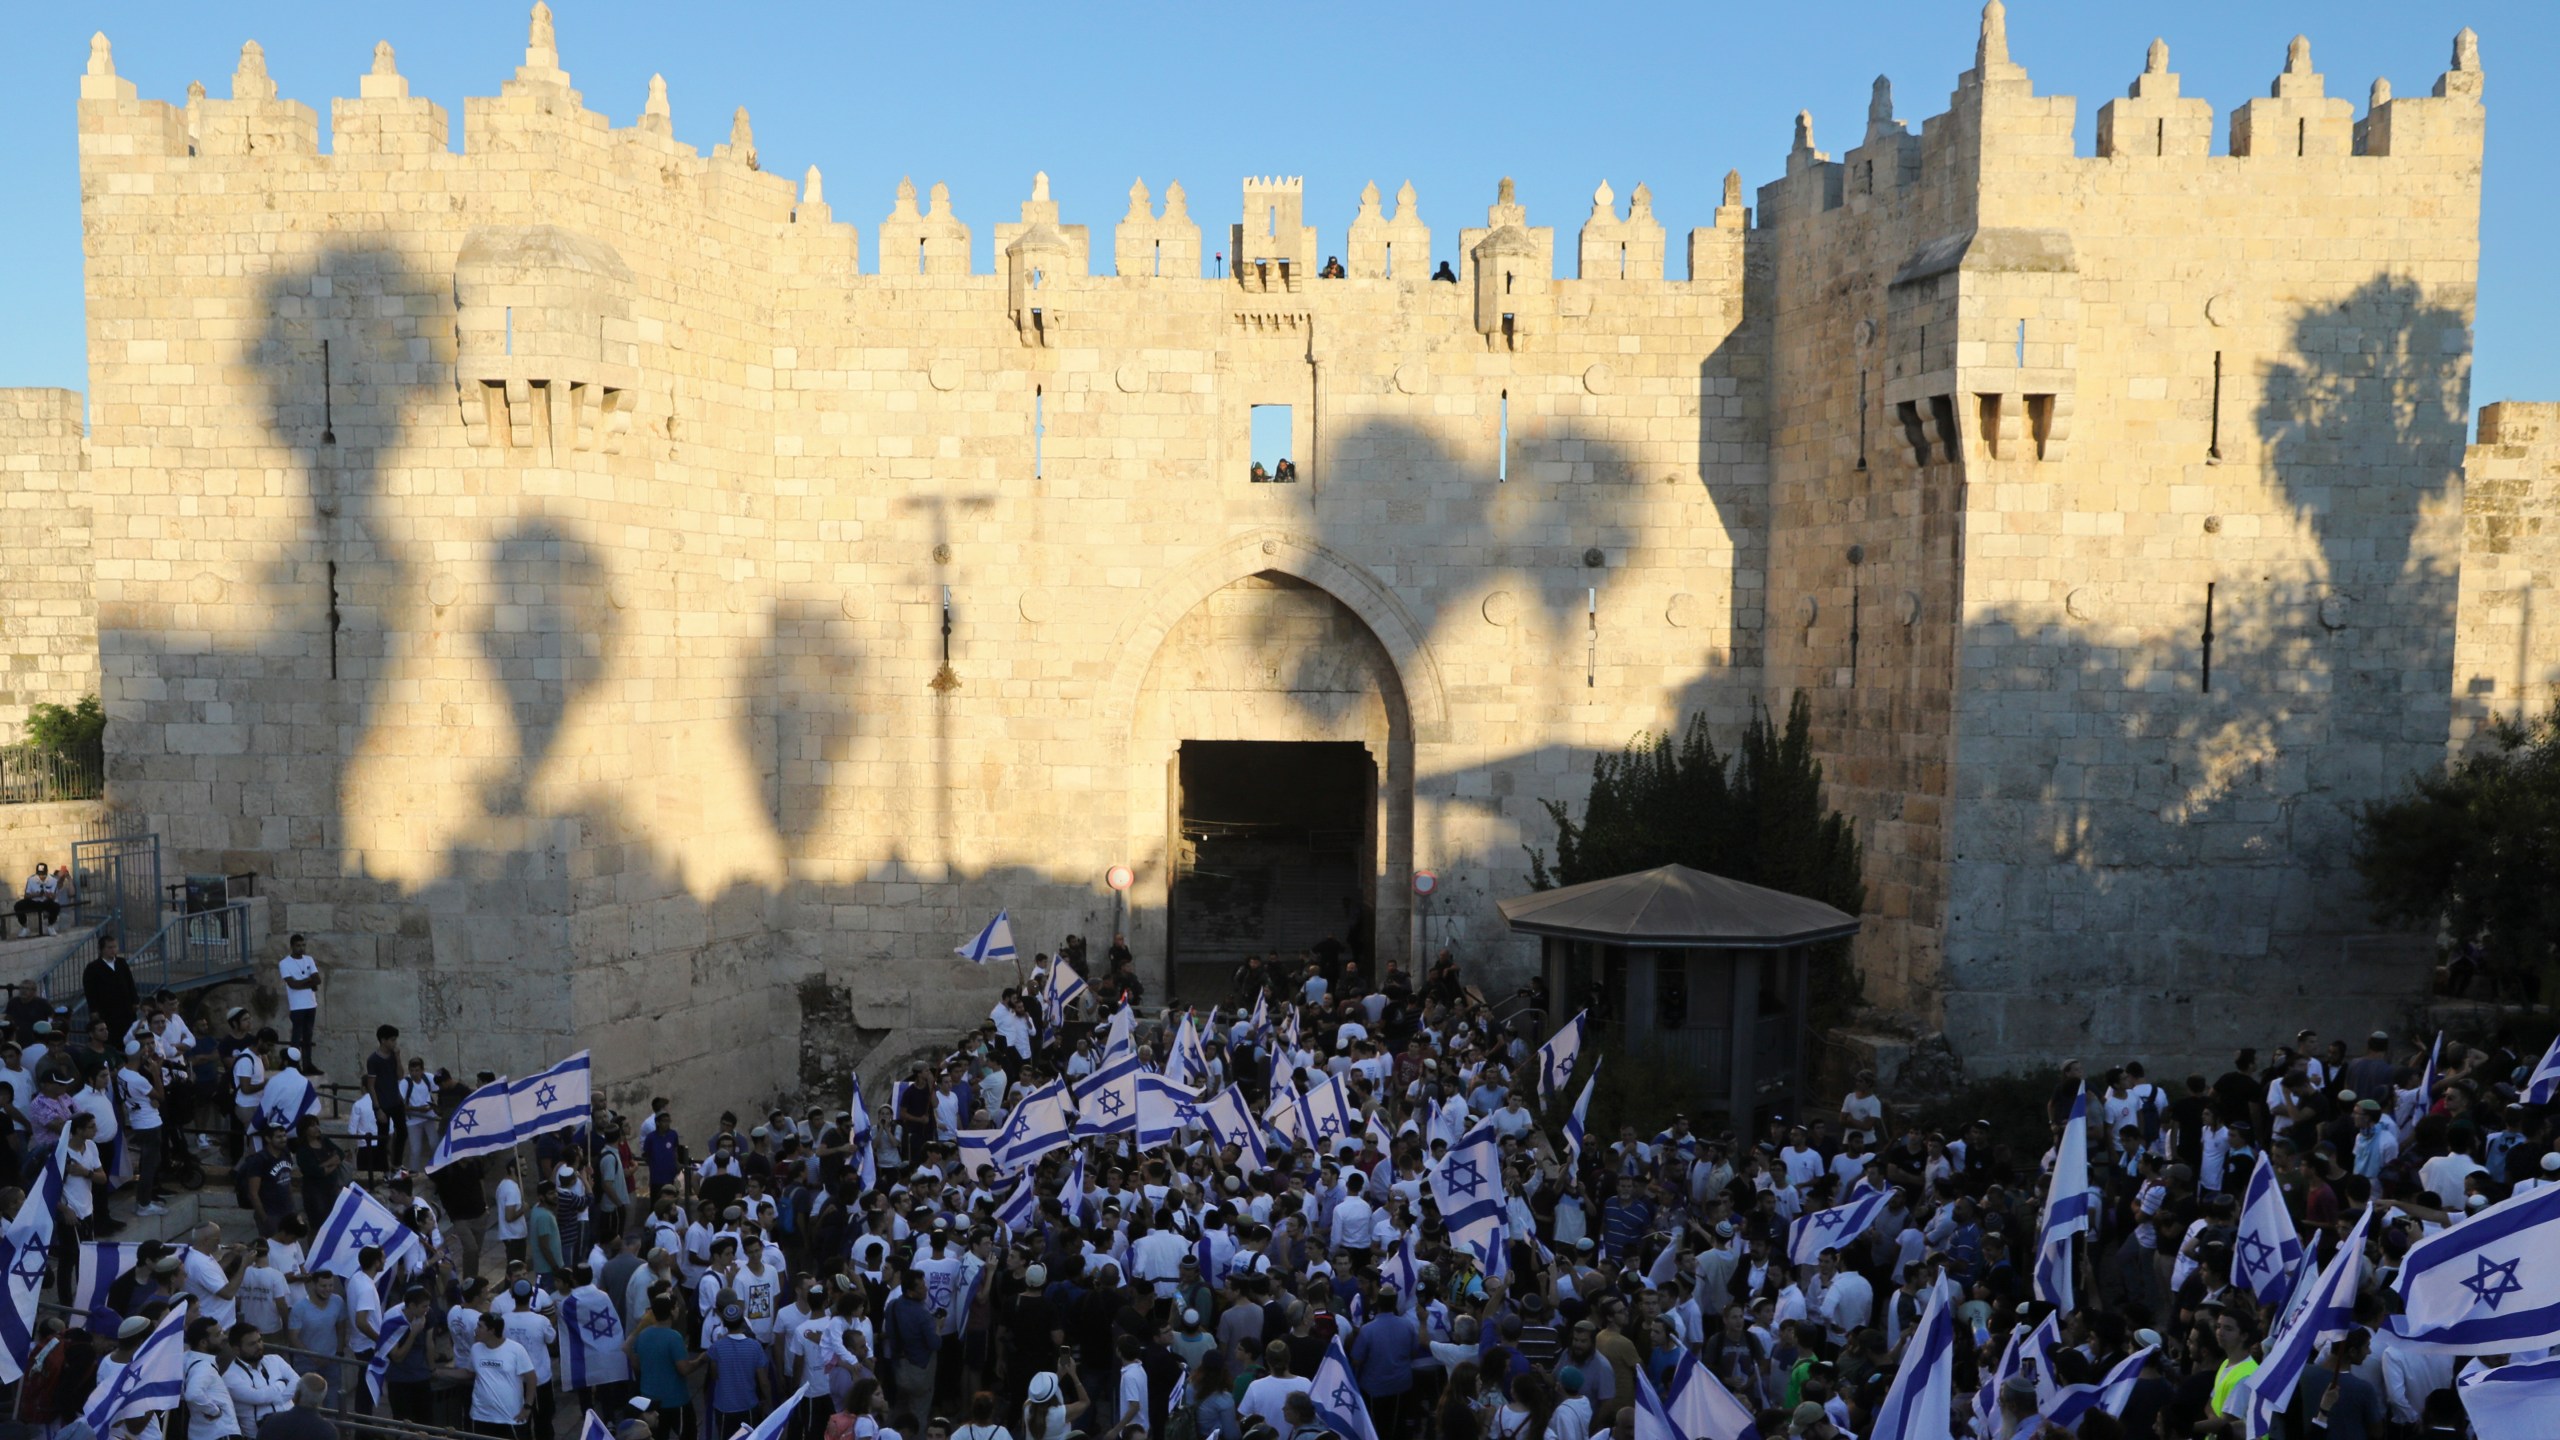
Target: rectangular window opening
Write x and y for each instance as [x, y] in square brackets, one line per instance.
[1622, 259]
[2213, 437]
[1391, 259]
[2301, 137]
[1862, 419]
[1502, 456]
[1272, 437]
[919, 254]
[1159, 257]
[1271, 227]
[2040, 422]
[2021, 360]
[1039, 431]
[511, 329]
[2160, 137]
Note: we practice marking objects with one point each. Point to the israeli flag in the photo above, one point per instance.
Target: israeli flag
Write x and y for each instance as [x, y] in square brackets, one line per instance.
[289, 1095]
[1653, 1418]
[1924, 1386]
[1831, 1229]
[1041, 1121]
[2266, 1253]
[1071, 1193]
[991, 944]
[1579, 1115]
[481, 1125]
[2544, 1082]
[1986, 1401]
[1260, 1024]
[977, 1147]
[377, 1364]
[2068, 1205]
[24, 1245]
[866, 1160]
[591, 1337]
[102, 1264]
[2488, 1286]
[2512, 1402]
[772, 1426]
[1233, 1122]
[1403, 1271]
[2111, 1394]
[1559, 1055]
[2326, 1312]
[1022, 1206]
[553, 1099]
[1336, 1393]
[1165, 1110]
[1063, 988]
[1107, 1103]
[1468, 1186]
[1188, 1064]
[1122, 1037]
[358, 1220]
[593, 1428]
[1325, 1114]
[154, 1380]
[2412, 1104]
[2035, 1361]
[1283, 1112]
[1700, 1408]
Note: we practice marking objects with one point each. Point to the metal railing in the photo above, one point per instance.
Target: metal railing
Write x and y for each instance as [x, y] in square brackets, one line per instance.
[35, 775]
[189, 952]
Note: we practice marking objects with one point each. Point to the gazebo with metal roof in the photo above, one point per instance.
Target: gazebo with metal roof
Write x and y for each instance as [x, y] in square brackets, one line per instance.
[1681, 965]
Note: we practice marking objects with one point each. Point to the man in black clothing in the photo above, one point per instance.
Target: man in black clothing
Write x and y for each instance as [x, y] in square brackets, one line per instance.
[302, 1419]
[108, 986]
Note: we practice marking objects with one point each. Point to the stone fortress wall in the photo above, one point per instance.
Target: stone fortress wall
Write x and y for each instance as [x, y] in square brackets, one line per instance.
[607, 602]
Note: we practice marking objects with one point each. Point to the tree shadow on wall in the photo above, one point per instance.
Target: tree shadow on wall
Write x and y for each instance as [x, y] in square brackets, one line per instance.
[2170, 847]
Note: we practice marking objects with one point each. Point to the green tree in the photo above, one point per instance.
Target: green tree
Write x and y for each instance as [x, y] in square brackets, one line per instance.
[1755, 815]
[2473, 848]
[78, 731]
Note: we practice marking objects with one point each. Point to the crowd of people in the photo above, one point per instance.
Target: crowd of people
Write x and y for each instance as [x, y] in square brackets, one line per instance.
[857, 1271]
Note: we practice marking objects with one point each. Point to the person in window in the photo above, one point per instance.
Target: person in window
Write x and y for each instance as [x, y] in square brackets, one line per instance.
[1286, 474]
[1332, 269]
[1260, 477]
[1445, 273]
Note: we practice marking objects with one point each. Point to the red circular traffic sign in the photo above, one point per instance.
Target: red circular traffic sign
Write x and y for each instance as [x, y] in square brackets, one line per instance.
[1424, 882]
[1119, 877]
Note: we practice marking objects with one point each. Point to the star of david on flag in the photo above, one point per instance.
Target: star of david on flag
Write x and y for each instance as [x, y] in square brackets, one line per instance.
[2266, 1251]
[1041, 1121]
[357, 1220]
[2489, 1285]
[553, 1099]
[991, 944]
[1336, 1393]
[591, 1340]
[482, 1125]
[1108, 1102]
[2327, 1311]
[2069, 1206]
[1165, 1110]
[289, 1095]
[1467, 1183]
[1233, 1122]
[26, 1240]
[1559, 1055]
[154, 1380]
[1325, 1113]
[1062, 989]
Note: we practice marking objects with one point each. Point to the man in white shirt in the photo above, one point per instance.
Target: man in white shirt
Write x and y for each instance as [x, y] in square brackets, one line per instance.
[212, 1279]
[301, 976]
[1354, 1218]
[502, 1383]
[210, 1412]
[510, 1226]
[261, 1384]
[1267, 1398]
[1848, 1301]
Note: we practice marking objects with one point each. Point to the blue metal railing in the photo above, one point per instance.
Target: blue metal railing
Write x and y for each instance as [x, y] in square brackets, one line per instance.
[206, 947]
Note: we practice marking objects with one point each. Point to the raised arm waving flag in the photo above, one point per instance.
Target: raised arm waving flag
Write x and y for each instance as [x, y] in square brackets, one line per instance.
[1559, 1055]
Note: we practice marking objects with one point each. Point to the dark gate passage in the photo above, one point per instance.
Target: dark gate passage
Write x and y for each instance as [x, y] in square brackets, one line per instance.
[1275, 849]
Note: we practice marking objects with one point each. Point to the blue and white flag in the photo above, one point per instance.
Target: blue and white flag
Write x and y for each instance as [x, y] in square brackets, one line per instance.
[1559, 1055]
[1260, 1023]
[287, 1096]
[481, 1125]
[1336, 1393]
[1576, 1118]
[1653, 1418]
[24, 1243]
[2266, 1252]
[1022, 1206]
[2512, 1402]
[355, 1221]
[1468, 1186]
[2111, 1394]
[1063, 988]
[593, 1428]
[2327, 1311]
[1918, 1405]
[2068, 1206]
[377, 1365]
[154, 1380]
[2413, 1104]
[2539, 1087]
[1071, 1192]
[976, 1147]
[1326, 1115]
[2036, 1357]
[1232, 1122]
[591, 1337]
[2488, 1286]
[1283, 1113]
[1403, 1271]
[866, 1159]
[1831, 1229]
[1188, 1062]
[776, 1424]
[1699, 1406]
[1041, 1121]
[1107, 1101]
[1165, 1110]
[102, 1264]
[1120, 1037]
[991, 944]
[553, 1099]
[1986, 1401]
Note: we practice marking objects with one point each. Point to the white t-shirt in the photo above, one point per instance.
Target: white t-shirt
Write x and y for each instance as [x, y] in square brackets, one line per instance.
[205, 1284]
[533, 1332]
[497, 1381]
[139, 1112]
[510, 1195]
[1264, 1398]
[364, 1298]
[261, 1296]
[299, 967]
[1133, 1392]
[75, 1188]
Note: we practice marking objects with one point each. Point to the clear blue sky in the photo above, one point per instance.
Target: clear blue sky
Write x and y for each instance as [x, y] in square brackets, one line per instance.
[1452, 96]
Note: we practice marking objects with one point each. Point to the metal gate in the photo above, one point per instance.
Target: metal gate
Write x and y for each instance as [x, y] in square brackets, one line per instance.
[116, 883]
